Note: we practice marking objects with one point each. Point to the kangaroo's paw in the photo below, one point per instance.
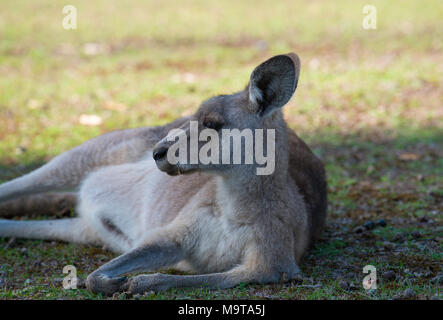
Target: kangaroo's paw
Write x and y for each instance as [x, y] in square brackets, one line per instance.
[101, 283]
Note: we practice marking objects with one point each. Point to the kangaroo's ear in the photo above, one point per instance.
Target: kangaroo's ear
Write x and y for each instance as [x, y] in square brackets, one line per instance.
[273, 83]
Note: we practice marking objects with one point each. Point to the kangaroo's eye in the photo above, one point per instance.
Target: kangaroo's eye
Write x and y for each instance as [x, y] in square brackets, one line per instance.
[211, 124]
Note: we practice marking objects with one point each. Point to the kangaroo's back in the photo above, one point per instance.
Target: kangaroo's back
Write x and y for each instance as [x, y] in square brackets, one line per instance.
[309, 174]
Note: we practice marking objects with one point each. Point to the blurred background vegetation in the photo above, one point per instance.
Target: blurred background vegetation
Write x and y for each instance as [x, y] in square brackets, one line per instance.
[369, 102]
[137, 63]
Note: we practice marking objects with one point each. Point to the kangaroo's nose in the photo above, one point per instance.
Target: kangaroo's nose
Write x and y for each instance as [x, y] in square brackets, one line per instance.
[159, 153]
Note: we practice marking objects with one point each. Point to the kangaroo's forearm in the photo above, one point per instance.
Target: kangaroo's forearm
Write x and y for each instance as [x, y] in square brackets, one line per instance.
[146, 258]
[159, 281]
[108, 278]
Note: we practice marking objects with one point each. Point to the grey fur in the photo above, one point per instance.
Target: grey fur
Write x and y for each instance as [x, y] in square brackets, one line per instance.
[224, 223]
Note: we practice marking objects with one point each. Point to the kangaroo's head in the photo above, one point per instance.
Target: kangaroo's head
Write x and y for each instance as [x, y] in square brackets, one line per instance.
[207, 142]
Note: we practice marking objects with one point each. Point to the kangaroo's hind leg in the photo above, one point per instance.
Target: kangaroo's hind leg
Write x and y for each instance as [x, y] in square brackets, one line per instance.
[66, 171]
[54, 204]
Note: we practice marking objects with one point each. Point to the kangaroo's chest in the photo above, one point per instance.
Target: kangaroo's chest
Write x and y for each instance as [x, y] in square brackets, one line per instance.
[165, 197]
[219, 244]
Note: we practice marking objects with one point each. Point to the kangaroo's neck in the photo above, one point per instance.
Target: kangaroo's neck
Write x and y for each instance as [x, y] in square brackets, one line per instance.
[244, 195]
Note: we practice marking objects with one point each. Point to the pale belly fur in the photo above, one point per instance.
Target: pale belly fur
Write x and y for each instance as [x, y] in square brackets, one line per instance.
[138, 198]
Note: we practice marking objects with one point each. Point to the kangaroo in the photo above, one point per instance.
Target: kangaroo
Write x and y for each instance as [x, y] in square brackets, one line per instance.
[221, 223]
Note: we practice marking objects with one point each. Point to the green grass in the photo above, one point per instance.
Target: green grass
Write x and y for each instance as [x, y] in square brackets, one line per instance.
[365, 98]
